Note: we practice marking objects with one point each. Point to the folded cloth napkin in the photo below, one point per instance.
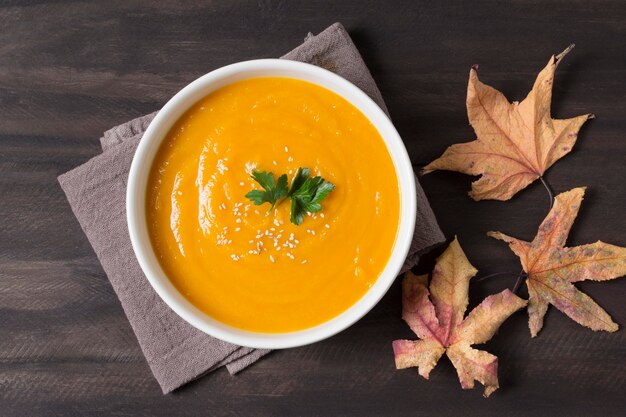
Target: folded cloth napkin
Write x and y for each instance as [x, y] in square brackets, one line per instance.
[177, 352]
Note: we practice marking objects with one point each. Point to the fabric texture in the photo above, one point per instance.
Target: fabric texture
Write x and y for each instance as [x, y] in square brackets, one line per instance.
[175, 351]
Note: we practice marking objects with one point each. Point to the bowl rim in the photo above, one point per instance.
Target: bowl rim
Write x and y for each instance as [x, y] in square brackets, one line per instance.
[157, 131]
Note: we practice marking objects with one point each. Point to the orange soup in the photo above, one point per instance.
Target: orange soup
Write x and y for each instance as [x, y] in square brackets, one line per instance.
[260, 272]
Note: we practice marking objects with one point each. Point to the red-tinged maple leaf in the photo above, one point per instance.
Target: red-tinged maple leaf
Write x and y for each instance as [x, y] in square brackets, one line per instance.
[517, 142]
[552, 268]
[440, 324]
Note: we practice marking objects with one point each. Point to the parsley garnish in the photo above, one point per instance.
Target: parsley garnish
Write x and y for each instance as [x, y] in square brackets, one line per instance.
[273, 192]
[306, 192]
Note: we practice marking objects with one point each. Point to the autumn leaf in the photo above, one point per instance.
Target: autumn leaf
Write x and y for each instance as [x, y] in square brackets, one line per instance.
[517, 142]
[552, 268]
[440, 325]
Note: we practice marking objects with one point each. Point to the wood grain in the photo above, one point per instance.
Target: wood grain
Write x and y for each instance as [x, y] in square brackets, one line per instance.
[71, 69]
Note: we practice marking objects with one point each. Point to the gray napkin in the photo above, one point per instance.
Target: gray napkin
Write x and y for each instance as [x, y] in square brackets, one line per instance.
[177, 352]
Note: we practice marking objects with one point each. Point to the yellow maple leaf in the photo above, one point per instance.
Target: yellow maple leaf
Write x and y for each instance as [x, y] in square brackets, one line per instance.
[440, 324]
[517, 142]
[552, 268]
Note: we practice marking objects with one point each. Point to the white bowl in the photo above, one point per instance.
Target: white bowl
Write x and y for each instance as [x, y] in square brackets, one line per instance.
[158, 129]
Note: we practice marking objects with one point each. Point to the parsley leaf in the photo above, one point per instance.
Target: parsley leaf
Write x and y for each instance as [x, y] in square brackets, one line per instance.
[301, 175]
[305, 192]
[273, 192]
[308, 196]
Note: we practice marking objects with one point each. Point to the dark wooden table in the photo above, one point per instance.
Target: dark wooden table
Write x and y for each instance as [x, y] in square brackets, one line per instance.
[71, 69]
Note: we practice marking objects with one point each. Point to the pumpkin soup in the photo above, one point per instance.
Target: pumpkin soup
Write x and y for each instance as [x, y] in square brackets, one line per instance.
[254, 269]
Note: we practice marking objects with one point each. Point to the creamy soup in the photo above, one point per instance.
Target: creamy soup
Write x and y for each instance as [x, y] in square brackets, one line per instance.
[260, 272]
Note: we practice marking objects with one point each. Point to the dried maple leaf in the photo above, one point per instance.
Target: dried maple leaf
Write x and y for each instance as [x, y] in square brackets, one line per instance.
[517, 142]
[552, 268]
[440, 324]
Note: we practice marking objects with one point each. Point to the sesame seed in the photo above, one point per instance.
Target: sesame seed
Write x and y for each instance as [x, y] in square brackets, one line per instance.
[237, 228]
[242, 183]
[274, 162]
[234, 257]
[297, 241]
[327, 226]
[238, 220]
[271, 258]
[291, 256]
[303, 261]
[250, 166]
[290, 159]
[286, 149]
[251, 241]
[322, 215]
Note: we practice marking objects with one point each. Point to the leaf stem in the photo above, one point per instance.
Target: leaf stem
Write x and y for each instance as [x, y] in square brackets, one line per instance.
[549, 190]
[281, 201]
[497, 274]
[518, 282]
